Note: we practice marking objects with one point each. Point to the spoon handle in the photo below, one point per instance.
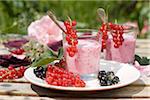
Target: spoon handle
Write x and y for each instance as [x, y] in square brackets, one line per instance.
[102, 14]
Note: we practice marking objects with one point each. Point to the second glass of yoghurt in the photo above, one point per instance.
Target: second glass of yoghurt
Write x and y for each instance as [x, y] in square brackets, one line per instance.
[125, 53]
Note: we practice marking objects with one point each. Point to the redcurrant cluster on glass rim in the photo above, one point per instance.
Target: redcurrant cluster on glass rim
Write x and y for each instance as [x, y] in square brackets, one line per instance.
[71, 37]
[115, 30]
[104, 31]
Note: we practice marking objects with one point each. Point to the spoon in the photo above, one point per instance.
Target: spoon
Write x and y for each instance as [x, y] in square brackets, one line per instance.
[101, 13]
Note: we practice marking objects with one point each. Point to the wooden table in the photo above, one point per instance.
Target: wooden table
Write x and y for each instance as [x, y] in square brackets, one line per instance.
[21, 89]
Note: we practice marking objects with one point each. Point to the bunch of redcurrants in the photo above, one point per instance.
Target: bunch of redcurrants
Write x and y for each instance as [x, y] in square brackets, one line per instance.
[115, 30]
[71, 37]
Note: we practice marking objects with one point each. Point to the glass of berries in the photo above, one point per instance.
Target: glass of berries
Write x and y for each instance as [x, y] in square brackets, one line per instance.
[82, 49]
[118, 42]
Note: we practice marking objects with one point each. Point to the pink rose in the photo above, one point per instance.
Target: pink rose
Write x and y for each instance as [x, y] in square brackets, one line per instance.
[145, 70]
[45, 31]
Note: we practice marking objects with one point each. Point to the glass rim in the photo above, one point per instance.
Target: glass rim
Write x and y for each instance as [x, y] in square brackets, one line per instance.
[82, 33]
[86, 29]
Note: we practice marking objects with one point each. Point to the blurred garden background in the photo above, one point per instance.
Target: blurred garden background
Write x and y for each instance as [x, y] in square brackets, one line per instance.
[16, 15]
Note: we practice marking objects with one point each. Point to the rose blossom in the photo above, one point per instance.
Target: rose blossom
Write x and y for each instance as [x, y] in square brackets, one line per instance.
[45, 31]
[145, 70]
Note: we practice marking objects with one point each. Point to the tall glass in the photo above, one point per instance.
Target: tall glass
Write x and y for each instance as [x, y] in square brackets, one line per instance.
[86, 60]
[125, 53]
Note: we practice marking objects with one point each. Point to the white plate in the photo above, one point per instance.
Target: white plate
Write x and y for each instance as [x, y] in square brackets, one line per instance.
[126, 73]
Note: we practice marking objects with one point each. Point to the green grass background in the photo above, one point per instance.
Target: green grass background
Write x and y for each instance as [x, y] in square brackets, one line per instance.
[16, 15]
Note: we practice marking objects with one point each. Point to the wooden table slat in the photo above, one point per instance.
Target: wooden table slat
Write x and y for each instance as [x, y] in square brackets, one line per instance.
[143, 40]
[24, 98]
[48, 98]
[26, 89]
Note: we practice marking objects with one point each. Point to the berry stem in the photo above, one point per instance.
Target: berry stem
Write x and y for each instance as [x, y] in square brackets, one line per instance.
[69, 19]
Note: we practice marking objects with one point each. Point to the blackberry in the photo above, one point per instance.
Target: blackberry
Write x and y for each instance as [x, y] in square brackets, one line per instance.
[40, 72]
[110, 73]
[102, 73]
[107, 78]
[103, 83]
[115, 80]
[104, 78]
[109, 82]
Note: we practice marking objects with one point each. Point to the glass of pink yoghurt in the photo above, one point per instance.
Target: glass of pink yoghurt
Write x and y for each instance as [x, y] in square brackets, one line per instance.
[86, 60]
[125, 53]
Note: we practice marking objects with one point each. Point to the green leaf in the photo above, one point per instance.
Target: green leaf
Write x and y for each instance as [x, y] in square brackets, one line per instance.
[43, 61]
[140, 23]
[60, 53]
[143, 60]
[137, 58]
[50, 53]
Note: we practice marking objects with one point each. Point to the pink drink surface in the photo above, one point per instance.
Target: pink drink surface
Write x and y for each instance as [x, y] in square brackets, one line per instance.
[86, 60]
[125, 53]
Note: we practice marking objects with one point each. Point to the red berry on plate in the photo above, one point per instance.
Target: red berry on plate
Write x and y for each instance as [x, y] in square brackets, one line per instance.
[61, 77]
[49, 80]
[19, 74]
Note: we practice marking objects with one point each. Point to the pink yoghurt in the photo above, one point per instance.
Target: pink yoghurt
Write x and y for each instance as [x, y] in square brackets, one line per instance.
[125, 53]
[86, 60]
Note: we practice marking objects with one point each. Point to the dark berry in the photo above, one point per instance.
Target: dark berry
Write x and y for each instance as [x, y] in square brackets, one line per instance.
[107, 78]
[104, 78]
[103, 83]
[102, 73]
[115, 80]
[109, 82]
[40, 72]
[110, 73]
